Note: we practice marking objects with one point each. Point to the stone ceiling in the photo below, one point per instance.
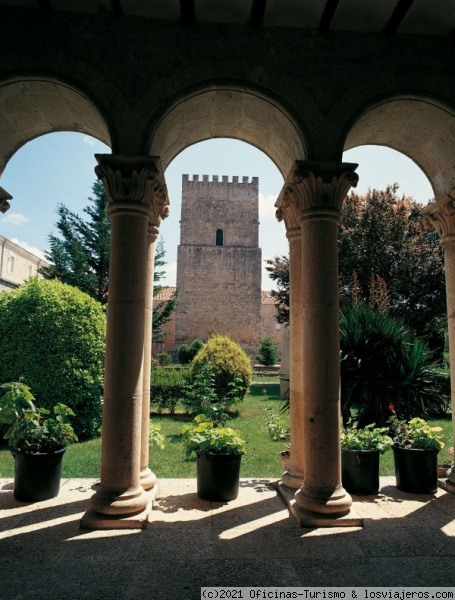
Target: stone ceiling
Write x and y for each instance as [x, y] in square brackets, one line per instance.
[428, 17]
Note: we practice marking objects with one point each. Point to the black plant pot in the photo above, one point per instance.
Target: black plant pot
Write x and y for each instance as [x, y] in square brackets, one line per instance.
[360, 471]
[416, 471]
[37, 476]
[218, 476]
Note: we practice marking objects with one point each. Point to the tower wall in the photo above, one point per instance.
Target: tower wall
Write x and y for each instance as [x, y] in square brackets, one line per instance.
[219, 285]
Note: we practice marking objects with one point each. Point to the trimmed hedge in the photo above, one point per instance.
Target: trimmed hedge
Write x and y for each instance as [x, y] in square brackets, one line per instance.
[168, 386]
[230, 365]
[53, 336]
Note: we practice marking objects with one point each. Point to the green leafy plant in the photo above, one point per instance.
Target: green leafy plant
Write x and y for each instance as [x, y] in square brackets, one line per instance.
[205, 436]
[201, 395]
[156, 438]
[381, 359]
[163, 358]
[368, 438]
[168, 386]
[186, 352]
[53, 336]
[277, 428]
[415, 433]
[33, 429]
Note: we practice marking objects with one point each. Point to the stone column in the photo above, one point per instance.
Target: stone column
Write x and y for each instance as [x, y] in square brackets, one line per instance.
[147, 477]
[287, 211]
[318, 189]
[441, 215]
[4, 197]
[131, 183]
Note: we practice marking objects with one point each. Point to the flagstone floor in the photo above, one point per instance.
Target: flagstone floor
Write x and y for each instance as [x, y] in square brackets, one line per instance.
[406, 540]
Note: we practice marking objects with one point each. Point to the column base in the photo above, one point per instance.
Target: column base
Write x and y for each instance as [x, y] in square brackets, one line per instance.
[147, 479]
[94, 520]
[336, 502]
[119, 503]
[307, 518]
[292, 479]
[448, 484]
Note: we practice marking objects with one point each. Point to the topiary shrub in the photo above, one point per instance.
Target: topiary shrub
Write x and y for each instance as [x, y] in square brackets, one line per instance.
[230, 363]
[268, 353]
[53, 336]
[186, 352]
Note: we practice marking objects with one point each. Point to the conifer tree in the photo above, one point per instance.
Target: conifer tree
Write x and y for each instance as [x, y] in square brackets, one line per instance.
[79, 255]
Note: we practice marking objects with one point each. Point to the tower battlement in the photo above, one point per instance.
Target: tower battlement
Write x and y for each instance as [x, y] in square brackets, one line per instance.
[215, 182]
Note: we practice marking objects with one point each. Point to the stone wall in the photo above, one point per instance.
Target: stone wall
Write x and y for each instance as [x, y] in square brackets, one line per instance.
[219, 285]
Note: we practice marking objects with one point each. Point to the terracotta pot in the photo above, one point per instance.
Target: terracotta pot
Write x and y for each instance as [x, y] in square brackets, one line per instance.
[443, 471]
[285, 458]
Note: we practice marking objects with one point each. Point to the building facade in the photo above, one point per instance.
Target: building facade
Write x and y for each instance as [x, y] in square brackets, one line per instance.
[16, 264]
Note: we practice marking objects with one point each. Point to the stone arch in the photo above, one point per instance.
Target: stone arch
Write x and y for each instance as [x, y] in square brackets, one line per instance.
[229, 112]
[31, 107]
[420, 128]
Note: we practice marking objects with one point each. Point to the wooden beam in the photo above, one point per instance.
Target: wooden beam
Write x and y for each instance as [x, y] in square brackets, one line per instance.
[45, 6]
[328, 14]
[398, 15]
[116, 6]
[187, 11]
[257, 12]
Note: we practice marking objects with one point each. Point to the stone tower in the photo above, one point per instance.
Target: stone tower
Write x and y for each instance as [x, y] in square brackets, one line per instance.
[219, 260]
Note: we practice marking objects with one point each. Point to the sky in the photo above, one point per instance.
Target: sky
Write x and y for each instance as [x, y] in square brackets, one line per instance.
[59, 168]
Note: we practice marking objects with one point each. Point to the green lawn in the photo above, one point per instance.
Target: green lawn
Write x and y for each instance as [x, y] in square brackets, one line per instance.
[261, 460]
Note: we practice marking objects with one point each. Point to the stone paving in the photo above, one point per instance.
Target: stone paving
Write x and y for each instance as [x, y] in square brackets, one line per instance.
[406, 540]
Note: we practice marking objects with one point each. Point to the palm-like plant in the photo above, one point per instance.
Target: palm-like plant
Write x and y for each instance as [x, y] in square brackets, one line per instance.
[383, 364]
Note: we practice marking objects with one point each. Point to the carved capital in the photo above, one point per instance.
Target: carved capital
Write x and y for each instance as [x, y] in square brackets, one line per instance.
[134, 184]
[318, 188]
[441, 216]
[321, 187]
[4, 197]
[288, 211]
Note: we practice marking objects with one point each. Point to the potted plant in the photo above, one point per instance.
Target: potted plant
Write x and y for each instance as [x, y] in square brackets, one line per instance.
[445, 467]
[219, 450]
[415, 448]
[360, 451]
[38, 439]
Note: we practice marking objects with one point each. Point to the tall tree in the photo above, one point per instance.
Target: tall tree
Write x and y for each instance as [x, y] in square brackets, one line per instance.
[79, 256]
[382, 235]
[163, 311]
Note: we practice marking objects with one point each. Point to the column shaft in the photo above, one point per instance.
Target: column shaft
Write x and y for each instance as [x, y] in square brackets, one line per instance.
[136, 197]
[320, 364]
[441, 216]
[317, 190]
[294, 476]
[147, 477]
[449, 259]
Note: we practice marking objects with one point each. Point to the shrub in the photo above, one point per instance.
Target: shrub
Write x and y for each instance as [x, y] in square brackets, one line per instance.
[268, 353]
[231, 366]
[201, 396]
[384, 364]
[53, 337]
[168, 386]
[186, 352]
[163, 358]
